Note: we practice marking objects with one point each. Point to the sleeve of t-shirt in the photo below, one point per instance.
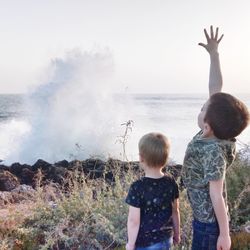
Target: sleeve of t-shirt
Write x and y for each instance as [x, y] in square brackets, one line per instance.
[134, 197]
[215, 166]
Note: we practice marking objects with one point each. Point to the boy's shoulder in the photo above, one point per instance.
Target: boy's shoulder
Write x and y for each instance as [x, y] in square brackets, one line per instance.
[209, 151]
[169, 177]
[166, 181]
[146, 180]
[211, 144]
[137, 184]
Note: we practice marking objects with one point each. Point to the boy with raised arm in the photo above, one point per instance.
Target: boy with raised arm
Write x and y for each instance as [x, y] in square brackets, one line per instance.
[211, 151]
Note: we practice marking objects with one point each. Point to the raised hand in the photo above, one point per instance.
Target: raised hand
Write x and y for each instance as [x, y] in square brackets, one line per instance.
[212, 40]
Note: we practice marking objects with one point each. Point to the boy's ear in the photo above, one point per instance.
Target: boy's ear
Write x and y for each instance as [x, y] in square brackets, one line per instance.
[206, 126]
[141, 158]
[207, 130]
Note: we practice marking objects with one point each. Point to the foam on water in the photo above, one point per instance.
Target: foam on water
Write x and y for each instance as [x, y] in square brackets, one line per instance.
[73, 115]
[12, 134]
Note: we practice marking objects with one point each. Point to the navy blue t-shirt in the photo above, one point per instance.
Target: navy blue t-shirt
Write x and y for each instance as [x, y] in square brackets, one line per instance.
[154, 197]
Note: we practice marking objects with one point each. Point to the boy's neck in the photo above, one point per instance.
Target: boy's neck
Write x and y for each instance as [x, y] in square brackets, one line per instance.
[208, 134]
[153, 172]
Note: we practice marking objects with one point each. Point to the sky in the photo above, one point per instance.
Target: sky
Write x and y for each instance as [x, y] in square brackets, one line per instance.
[154, 43]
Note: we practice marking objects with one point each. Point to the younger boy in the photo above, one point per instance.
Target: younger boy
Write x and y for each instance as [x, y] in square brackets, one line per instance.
[153, 200]
[208, 155]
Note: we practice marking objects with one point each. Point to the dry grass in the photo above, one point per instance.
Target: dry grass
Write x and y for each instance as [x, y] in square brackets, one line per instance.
[91, 214]
[85, 213]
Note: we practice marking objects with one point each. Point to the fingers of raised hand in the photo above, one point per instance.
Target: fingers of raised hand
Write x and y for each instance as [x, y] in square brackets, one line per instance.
[203, 45]
[212, 35]
[216, 33]
[206, 34]
[211, 32]
[220, 38]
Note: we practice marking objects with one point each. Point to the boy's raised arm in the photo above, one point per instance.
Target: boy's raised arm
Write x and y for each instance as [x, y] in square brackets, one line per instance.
[215, 76]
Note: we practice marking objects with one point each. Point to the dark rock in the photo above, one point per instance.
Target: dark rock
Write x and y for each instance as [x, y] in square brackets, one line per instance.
[56, 174]
[4, 168]
[40, 164]
[27, 177]
[62, 163]
[76, 165]
[94, 168]
[8, 181]
[109, 177]
[16, 168]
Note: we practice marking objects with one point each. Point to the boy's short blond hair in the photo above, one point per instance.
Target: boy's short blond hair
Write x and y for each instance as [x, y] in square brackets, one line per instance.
[154, 149]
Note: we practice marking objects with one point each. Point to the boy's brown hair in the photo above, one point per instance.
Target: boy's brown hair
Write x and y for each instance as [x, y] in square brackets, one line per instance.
[226, 115]
[154, 148]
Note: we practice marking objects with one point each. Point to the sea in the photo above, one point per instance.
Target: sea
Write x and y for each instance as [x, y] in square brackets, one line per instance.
[54, 131]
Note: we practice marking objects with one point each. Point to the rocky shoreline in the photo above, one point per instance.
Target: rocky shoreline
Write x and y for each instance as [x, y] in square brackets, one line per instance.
[19, 181]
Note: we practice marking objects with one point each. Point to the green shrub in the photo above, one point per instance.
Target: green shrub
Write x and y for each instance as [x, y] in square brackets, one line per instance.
[238, 188]
[90, 214]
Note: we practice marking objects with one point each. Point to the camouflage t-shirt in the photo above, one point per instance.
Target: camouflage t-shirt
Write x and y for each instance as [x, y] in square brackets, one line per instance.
[206, 159]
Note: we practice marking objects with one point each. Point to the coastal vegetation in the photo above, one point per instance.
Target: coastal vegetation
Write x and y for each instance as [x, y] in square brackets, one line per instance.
[87, 210]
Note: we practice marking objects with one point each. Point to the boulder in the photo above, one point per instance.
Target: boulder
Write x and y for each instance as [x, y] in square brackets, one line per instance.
[16, 168]
[27, 177]
[62, 163]
[8, 181]
[40, 164]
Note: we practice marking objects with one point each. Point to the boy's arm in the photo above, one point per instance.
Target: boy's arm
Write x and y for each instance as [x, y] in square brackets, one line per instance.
[216, 189]
[215, 76]
[133, 226]
[176, 221]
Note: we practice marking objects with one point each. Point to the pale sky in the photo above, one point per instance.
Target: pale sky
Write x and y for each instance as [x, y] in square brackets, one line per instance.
[153, 42]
